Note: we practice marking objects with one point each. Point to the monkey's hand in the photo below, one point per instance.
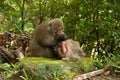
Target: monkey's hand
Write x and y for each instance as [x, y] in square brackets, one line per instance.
[66, 59]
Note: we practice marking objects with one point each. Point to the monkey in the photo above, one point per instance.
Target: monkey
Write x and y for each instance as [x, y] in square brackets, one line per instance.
[45, 36]
[69, 50]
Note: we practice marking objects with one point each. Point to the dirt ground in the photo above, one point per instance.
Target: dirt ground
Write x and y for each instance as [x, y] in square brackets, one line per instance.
[103, 77]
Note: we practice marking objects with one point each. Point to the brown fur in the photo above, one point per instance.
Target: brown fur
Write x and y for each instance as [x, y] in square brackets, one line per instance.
[44, 37]
[74, 51]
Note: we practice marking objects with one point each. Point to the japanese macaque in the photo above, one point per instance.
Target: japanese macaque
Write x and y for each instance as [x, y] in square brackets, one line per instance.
[69, 50]
[45, 37]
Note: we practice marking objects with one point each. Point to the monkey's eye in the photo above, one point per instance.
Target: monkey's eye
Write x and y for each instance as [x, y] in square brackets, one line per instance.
[49, 24]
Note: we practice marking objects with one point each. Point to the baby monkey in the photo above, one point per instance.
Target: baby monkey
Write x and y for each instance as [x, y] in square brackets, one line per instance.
[69, 50]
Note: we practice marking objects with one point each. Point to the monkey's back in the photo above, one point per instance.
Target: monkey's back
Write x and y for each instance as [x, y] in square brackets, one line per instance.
[74, 47]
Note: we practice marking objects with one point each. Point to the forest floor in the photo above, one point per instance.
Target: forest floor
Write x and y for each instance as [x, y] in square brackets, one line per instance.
[14, 40]
[103, 77]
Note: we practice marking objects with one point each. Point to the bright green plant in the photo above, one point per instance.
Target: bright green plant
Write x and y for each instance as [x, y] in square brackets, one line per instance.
[9, 70]
[25, 76]
[112, 62]
[53, 72]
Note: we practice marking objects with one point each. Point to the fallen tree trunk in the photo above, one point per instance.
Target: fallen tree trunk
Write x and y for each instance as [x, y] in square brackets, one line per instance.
[90, 74]
[6, 55]
[11, 55]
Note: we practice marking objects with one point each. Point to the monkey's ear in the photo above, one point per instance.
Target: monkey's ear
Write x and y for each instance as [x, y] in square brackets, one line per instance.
[49, 28]
[49, 24]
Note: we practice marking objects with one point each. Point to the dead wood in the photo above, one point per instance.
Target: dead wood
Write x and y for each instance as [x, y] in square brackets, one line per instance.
[90, 74]
[19, 53]
[11, 55]
[14, 46]
[5, 52]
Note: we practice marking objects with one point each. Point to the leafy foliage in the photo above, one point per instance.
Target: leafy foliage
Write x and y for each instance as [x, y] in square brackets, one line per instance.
[95, 24]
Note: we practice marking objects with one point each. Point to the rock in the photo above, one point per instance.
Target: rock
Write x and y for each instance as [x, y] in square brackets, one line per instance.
[37, 68]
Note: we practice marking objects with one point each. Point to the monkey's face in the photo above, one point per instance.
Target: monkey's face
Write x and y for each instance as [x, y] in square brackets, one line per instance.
[64, 47]
[55, 28]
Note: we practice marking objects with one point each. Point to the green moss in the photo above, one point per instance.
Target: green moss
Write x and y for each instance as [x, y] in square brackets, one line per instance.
[40, 60]
[51, 69]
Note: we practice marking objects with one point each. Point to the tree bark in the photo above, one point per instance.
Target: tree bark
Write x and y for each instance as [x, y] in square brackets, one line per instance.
[22, 14]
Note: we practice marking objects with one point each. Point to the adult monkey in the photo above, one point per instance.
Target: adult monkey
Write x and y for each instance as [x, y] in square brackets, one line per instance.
[45, 37]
